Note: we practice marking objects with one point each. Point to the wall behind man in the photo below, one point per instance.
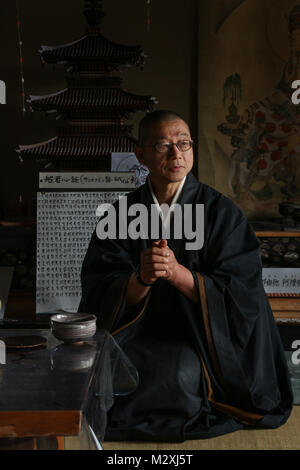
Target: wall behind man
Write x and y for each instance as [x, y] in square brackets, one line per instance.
[169, 73]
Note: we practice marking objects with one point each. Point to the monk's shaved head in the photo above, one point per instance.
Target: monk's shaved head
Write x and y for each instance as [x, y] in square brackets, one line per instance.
[152, 119]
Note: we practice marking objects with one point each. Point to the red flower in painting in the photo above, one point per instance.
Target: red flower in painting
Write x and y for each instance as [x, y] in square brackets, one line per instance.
[270, 126]
[264, 147]
[282, 144]
[270, 139]
[262, 164]
[276, 116]
[286, 128]
[260, 116]
[276, 155]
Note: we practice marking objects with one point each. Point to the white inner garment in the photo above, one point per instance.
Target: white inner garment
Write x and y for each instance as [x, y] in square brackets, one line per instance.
[166, 211]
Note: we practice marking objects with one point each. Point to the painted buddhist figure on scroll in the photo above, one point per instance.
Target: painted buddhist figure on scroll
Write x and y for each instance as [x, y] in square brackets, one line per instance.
[194, 321]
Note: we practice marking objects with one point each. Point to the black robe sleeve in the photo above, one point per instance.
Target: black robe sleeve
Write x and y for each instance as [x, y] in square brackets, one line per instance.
[104, 276]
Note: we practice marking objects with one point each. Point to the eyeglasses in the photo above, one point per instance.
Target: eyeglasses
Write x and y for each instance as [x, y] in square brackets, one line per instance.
[182, 145]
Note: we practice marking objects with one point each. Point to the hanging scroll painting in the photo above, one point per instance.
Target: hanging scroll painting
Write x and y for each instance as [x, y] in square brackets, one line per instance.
[249, 128]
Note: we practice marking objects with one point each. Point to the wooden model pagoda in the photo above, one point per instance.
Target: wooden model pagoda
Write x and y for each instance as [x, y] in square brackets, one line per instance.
[93, 107]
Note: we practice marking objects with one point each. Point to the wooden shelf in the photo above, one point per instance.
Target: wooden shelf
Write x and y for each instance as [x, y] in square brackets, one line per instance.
[285, 308]
[277, 234]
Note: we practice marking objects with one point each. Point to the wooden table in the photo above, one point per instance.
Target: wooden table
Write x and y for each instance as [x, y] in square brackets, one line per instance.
[44, 391]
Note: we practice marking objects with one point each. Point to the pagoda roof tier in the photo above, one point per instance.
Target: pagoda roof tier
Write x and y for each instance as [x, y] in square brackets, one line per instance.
[68, 148]
[93, 98]
[93, 48]
[91, 127]
[93, 80]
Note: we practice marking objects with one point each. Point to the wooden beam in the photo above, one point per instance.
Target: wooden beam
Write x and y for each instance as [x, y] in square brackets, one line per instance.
[278, 234]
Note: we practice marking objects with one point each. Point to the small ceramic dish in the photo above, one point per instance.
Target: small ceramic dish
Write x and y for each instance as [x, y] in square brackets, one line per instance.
[73, 327]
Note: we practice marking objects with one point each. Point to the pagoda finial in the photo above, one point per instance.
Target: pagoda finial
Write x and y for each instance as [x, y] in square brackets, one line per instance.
[93, 11]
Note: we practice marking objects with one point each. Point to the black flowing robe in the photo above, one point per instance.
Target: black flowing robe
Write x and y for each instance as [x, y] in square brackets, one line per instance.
[205, 368]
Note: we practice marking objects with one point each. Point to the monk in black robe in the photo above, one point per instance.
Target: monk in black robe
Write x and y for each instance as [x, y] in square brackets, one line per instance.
[195, 322]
